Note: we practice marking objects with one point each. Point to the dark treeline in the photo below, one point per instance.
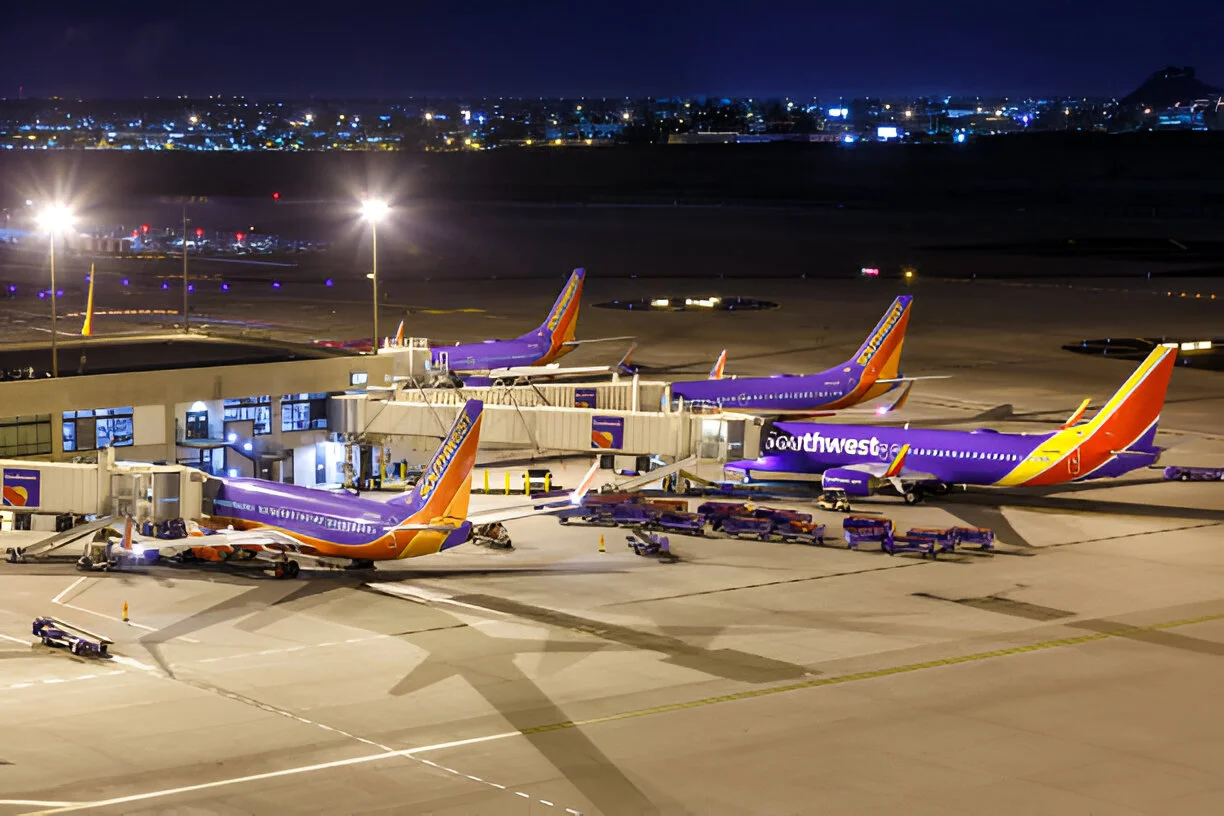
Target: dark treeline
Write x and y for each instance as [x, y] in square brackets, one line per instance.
[1174, 173]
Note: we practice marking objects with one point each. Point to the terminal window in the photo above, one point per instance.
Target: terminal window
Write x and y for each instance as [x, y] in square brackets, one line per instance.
[98, 428]
[303, 412]
[256, 409]
[28, 435]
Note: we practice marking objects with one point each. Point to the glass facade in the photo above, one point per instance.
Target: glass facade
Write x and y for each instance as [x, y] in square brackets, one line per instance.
[28, 435]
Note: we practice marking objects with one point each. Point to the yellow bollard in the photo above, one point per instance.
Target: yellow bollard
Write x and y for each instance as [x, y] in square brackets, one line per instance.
[507, 483]
[547, 481]
[526, 484]
[125, 617]
[486, 481]
[601, 544]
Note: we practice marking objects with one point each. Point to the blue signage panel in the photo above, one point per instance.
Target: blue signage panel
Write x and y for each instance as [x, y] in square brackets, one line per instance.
[22, 488]
[585, 398]
[607, 432]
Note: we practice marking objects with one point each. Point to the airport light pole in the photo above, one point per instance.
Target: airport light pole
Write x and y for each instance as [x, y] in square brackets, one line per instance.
[186, 314]
[54, 219]
[373, 210]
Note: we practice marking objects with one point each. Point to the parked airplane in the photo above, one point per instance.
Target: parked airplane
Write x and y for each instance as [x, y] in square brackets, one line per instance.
[870, 373]
[551, 340]
[291, 523]
[1119, 438]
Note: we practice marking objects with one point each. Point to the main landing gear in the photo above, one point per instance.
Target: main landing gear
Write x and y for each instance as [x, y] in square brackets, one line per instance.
[914, 494]
[286, 569]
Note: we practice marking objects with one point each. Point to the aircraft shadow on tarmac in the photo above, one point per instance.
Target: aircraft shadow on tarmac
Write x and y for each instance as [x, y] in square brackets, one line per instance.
[984, 508]
[488, 665]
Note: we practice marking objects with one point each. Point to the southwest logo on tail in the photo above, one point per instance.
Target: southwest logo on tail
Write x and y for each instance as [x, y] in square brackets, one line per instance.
[872, 372]
[449, 470]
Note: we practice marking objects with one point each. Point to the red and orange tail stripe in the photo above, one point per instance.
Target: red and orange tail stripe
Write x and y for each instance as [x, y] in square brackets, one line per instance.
[898, 464]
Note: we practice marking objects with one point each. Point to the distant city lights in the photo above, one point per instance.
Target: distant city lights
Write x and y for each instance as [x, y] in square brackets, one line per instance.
[218, 123]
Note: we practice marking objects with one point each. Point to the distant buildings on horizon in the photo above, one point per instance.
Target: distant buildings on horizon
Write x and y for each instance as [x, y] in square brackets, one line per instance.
[1171, 99]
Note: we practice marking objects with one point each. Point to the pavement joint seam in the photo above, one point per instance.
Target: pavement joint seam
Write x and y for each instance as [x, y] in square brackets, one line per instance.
[780, 582]
[1181, 529]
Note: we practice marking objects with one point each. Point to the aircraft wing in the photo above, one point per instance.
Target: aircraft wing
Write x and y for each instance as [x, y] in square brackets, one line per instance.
[800, 414]
[894, 471]
[543, 506]
[262, 543]
[552, 371]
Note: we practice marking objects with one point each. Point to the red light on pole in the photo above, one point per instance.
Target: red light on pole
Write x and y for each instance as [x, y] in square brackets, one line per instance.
[239, 236]
[144, 227]
[276, 196]
[199, 232]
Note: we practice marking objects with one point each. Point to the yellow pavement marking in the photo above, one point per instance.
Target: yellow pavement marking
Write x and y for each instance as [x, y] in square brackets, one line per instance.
[976, 657]
[837, 680]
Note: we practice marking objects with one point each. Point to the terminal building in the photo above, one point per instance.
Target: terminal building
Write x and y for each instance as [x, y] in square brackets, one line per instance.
[163, 407]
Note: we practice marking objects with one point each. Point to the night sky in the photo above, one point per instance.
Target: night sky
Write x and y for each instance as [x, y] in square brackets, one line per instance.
[609, 48]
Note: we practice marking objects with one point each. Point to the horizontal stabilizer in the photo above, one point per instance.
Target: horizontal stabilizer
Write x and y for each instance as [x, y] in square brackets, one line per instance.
[914, 379]
[597, 340]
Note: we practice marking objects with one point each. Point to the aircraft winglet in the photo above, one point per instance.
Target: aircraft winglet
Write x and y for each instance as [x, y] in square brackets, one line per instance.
[898, 403]
[897, 464]
[1077, 416]
[716, 373]
[578, 493]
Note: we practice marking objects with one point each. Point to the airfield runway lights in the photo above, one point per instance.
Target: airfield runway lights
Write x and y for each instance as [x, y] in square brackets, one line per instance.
[55, 219]
[507, 483]
[125, 614]
[486, 482]
[601, 543]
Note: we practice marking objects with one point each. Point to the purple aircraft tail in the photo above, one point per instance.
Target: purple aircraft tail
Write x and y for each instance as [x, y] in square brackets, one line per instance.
[562, 321]
[449, 473]
[880, 355]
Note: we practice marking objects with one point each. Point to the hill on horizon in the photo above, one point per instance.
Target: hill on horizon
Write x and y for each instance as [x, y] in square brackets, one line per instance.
[1169, 86]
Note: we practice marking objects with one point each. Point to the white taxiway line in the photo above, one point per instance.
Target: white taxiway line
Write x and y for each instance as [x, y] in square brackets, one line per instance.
[58, 599]
[32, 803]
[241, 780]
[22, 641]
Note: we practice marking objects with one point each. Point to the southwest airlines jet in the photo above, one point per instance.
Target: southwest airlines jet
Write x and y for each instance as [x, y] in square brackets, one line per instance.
[1119, 438]
[870, 373]
[290, 523]
[551, 340]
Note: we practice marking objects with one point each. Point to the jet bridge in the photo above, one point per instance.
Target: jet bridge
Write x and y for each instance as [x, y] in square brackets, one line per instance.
[52, 495]
[628, 418]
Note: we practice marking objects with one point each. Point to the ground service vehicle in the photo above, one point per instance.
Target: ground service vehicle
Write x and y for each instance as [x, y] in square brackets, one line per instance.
[1193, 474]
[834, 499]
[79, 641]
